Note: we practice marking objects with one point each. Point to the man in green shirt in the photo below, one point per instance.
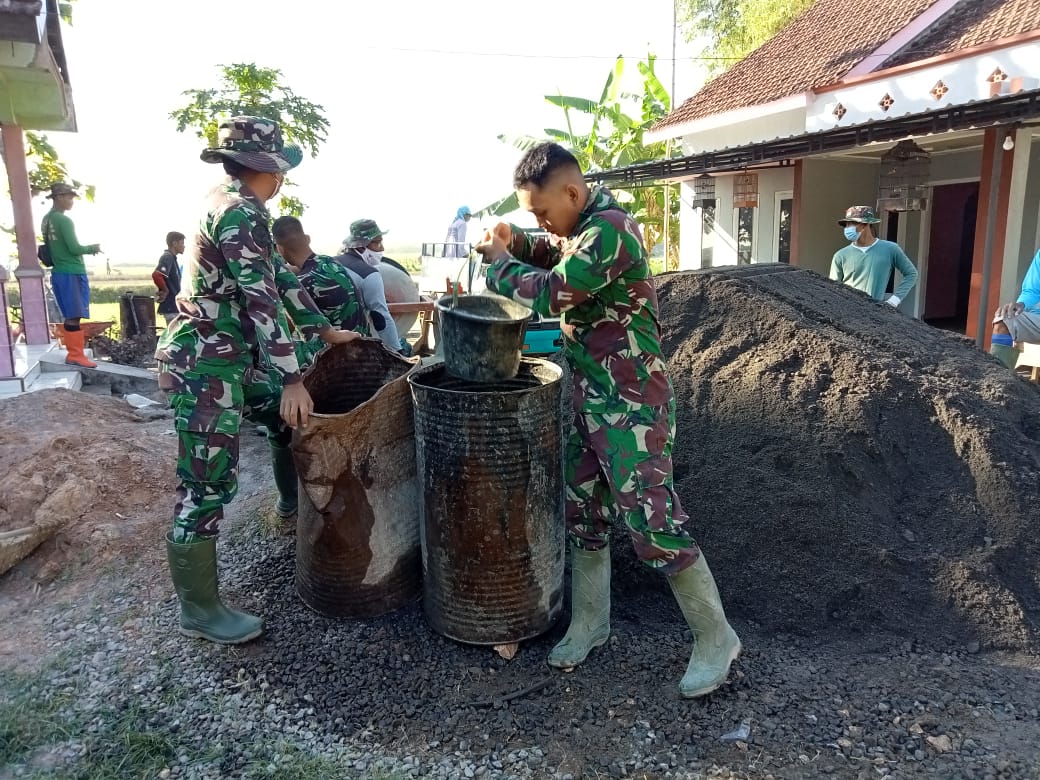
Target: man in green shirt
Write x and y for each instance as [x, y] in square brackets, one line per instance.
[867, 263]
[69, 274]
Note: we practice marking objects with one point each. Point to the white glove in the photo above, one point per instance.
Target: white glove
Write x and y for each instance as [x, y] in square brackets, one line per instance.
[893, 301]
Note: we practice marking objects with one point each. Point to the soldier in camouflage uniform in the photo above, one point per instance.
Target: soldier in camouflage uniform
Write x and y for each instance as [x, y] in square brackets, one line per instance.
[328, 283]
[227, 354]
[618, 462]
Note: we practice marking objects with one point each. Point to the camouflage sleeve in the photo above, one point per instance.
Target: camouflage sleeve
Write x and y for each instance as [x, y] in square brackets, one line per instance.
[333, 286]
[245, 242]
[299, 305]
[534, 250]
[598, 256]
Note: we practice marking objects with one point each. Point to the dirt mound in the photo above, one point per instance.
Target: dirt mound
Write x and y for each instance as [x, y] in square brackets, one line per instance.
[79, 465]
[846, 466]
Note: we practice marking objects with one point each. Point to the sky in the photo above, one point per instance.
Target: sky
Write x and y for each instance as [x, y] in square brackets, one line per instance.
[416, 94]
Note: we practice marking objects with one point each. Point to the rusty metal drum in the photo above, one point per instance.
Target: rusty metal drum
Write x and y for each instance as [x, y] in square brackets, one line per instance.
[357, 532]
[489, 459]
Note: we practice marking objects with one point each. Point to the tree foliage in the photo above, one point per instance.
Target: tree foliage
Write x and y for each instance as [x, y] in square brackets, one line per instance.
[246, 89]
[734, 28]
[616, 124]
[46, 167]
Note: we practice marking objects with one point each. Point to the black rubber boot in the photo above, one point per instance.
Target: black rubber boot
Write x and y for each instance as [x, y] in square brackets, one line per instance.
[193, 568]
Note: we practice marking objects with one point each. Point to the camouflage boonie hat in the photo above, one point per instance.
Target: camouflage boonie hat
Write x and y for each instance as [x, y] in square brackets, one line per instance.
[61, 188]
[254, 142]
[363, 232]
[864, 214]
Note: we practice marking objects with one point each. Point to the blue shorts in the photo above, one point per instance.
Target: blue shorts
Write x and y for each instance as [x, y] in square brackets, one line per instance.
[72, 292]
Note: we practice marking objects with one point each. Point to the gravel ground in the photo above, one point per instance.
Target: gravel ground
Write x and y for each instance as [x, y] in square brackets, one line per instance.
[96, 683]
[115, 692]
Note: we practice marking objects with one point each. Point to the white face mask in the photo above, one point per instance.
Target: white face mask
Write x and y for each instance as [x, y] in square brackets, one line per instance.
[371, 257]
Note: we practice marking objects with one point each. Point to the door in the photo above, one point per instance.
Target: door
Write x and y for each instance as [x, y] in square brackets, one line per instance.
[951, 242]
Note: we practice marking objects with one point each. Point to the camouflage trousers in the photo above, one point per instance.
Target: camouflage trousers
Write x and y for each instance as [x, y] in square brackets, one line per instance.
[209, 404]
[619, 466]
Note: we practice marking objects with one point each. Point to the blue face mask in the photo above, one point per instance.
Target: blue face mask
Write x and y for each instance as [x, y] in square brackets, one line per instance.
[851, 233]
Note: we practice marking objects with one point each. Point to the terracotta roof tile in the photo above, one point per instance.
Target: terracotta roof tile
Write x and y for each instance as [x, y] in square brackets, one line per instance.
[811, 51]
[971, 23]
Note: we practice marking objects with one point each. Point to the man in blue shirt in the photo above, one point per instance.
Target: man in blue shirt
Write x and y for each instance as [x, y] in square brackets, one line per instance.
[1018, 321]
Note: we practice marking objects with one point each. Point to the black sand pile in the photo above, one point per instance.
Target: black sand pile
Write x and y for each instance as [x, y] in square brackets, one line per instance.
[847, 467]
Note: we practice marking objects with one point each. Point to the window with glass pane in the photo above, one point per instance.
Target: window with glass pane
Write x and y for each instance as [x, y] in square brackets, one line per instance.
[783, 237]
[708, 231]
[745, 234]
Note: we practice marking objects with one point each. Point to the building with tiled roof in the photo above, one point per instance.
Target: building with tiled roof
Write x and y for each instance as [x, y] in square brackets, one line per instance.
[35, 94]
[775, 148]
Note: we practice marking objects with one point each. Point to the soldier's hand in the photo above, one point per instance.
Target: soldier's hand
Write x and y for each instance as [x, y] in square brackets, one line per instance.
[1009, 310]
[161, 295]
[336, 336]
[495, 243]
[296, 405]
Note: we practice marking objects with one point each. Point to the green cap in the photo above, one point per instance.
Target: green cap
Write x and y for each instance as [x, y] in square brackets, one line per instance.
[363, 232]
[254, 142]
[864, 214]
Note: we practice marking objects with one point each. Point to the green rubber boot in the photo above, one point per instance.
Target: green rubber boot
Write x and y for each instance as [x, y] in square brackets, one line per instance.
[285, 479]
[715, 643]
[590, 608]
[194, 571]
[1005, 354]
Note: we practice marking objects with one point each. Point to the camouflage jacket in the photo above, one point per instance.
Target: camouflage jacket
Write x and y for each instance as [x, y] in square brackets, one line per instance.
[602, 286]
[236, 293]
[333, 291]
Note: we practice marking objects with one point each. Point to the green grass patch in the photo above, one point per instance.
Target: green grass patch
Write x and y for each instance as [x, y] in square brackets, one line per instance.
[124, 748]
[28, 720]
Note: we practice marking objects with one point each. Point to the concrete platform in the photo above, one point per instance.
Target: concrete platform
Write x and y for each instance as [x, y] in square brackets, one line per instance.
[40, 367]
[27, 368]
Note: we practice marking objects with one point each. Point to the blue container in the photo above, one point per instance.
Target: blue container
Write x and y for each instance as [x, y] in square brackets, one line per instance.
[543, 336]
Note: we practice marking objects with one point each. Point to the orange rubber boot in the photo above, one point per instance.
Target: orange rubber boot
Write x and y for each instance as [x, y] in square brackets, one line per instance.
[74, 343]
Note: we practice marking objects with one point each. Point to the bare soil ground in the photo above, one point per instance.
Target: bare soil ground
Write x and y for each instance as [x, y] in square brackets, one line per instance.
[865, 488]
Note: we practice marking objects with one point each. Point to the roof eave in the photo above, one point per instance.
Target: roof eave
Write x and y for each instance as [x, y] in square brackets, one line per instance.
[726, 118]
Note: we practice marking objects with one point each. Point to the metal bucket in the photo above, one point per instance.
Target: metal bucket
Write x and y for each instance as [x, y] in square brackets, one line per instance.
[489, 459]
[357, 532]
[482, 336]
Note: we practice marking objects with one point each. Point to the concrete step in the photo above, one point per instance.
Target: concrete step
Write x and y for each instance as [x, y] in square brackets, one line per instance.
[49, 380]
[118, 378]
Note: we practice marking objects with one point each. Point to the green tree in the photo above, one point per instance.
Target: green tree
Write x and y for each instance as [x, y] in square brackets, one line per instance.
[735, 28]
[247, 89]
[46, 167]
[616, 125]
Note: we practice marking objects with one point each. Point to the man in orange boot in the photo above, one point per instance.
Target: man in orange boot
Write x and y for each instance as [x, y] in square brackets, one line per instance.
[69, 275]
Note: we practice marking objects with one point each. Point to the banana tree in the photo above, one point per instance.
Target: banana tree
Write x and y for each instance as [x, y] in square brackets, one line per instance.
[616, 122]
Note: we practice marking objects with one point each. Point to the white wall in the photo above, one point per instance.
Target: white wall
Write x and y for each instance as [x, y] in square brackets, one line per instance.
[747, 130]
[829, 187]
[966, 80]
[724, 242]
